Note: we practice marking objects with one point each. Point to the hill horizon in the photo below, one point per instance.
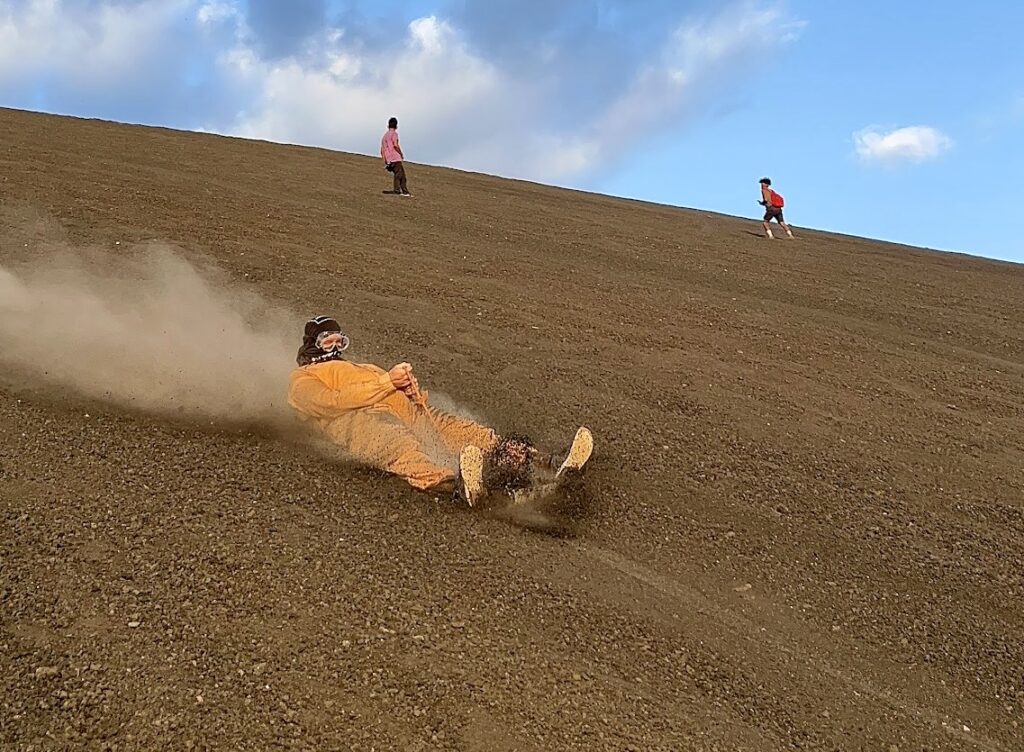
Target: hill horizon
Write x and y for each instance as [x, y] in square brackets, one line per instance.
[752, 217]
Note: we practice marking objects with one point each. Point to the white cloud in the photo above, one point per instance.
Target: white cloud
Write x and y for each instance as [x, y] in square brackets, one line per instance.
[698, 55]
[92, 45]
[460, 105]
[915, 143]
[341, 97]
[462, 110]
[216, 12]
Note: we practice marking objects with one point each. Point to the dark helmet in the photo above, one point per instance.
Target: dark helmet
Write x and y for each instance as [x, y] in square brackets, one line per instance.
[318, 325]
[309, 352]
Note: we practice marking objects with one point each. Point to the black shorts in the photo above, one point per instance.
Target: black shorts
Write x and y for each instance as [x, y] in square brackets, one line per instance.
[773, 212]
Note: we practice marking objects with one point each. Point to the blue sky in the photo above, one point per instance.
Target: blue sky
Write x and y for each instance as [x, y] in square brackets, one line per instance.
[895, 120]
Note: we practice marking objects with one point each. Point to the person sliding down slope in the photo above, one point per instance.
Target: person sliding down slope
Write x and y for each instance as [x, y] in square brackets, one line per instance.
[383, 419]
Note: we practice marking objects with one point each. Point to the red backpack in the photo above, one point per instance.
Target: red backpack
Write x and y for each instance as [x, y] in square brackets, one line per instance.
[777, 201]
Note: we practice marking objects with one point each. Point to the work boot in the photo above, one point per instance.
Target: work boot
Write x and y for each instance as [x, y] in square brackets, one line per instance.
[580, 451]
[471, 473]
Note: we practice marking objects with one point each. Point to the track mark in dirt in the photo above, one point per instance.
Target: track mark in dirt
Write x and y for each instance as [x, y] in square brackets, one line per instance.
[754, 631]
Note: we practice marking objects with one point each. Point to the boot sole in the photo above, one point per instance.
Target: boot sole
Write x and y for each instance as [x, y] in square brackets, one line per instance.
[580, 451]
[471, 470]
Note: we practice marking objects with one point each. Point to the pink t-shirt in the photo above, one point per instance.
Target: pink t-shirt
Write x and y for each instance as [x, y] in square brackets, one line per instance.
[389, 146]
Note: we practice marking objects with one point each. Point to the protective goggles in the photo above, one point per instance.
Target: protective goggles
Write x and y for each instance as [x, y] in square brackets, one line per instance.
[341, 343]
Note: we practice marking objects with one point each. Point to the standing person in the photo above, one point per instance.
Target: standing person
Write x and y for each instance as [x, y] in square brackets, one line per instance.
[391, 153]
[772, 203]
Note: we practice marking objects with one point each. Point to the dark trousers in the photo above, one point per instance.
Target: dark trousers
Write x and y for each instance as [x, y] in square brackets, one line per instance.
[399, 172]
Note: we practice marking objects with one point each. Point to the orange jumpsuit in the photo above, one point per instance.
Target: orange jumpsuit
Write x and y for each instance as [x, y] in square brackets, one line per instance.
[359, 409]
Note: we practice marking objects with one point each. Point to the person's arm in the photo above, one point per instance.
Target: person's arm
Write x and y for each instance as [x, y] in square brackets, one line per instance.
[382, 151]
[766, 195]
[352, 388]
[398, 147]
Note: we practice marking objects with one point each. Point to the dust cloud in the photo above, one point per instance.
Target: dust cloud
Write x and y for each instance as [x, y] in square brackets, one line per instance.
[146, 329]
[149, 329]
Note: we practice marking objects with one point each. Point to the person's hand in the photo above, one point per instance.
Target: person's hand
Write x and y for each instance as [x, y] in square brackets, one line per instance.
[405, 381]
[413, 389]
[414, 393]
[401, 376]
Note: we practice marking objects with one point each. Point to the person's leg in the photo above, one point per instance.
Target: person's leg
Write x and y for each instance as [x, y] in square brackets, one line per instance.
[552, 466]
[381, 440]
[401, 186]
[767, 227]
[549, 471]
[500, 464]
[784, 226]
[396, 179]
[455, 432]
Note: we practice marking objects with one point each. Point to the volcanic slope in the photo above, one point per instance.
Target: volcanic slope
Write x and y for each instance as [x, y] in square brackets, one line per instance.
[802, 527]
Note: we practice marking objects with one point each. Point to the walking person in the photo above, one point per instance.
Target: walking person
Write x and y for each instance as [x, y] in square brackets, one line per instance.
[391, 153]
[772, 203]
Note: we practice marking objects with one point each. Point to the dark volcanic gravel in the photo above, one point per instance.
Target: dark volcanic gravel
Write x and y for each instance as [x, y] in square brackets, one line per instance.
[802, 528]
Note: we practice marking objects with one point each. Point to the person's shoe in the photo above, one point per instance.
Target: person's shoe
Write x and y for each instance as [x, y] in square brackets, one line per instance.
[769, 235]
[471, 473]
[789, 234]
[580, 451]
[407, 195]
